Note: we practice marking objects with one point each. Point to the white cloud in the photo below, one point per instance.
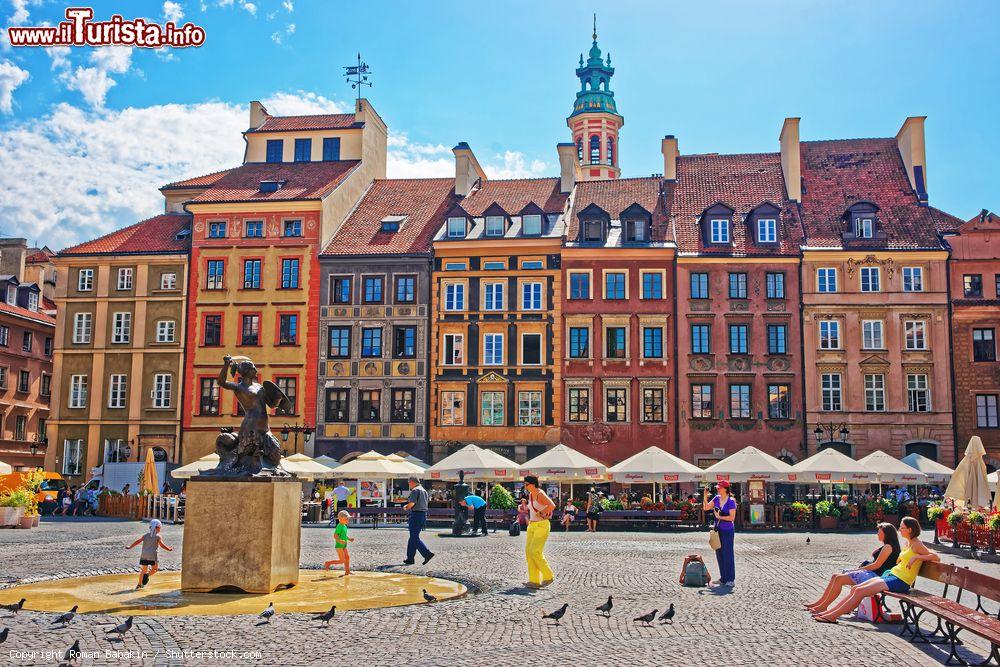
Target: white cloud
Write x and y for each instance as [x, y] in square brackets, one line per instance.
[165, 53]
[249, 6]
[11, 76]
[95, 170]
[287, 4]
[278, 36]
[59, 56]
[95, 82]
[415, 160]
[20, 14]
[173, 11]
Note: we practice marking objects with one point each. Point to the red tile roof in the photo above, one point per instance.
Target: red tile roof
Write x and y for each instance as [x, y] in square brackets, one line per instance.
[514, 194]
[302, 180]
[838, 174]
[425, 201]
[39, 257]
[18, 311]
[945, 222]
[333, 121]
[157, 235]
[198, 181]
[743, 182]
[613, 196]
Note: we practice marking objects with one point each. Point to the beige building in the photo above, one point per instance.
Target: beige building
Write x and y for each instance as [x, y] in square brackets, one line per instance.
[118, 347]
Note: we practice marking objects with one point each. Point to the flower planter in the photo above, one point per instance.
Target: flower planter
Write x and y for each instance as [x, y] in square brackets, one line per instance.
[34, 520]
[10, 516]
[25, 522]
[828, 523]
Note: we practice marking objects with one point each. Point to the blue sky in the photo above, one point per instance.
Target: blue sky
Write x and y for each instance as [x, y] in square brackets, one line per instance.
[90, 133]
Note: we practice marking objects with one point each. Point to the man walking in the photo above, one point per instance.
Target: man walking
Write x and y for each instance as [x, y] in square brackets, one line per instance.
[340, 494]
[478, 506]
[417, 506]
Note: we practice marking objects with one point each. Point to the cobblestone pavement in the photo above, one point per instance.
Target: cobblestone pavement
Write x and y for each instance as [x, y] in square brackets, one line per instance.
[759, 622]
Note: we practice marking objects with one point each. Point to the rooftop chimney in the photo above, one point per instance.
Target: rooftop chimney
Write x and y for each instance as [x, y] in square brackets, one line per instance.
[258, 114]
[467, 169]
[910, 140]
[791, 163]
[568, 164]
[669, 149]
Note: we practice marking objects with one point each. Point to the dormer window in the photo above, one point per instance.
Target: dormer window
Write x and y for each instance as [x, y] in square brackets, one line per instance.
[862, 222]
[32, 302]
[456, 228]
[593, 230]
[494, 226]
[719, 230]
[864, 227]
[267, 187]
[392, 223]
[11, 295]
[767, 230]
[531, 225]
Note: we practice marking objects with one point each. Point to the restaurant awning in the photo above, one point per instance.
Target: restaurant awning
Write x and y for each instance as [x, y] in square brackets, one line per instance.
[654, 465]
[748, 464]
[562, 463]
[935, 471]
[477, 463]
[890, 470]
[830, 466]
[372, 465]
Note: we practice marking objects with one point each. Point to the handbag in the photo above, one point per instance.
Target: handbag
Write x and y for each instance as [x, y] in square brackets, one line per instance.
[515, 529]
[713, 539]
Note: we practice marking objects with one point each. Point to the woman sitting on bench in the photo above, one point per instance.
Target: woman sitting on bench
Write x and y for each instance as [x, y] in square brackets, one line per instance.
[883, 559]
[897, 580]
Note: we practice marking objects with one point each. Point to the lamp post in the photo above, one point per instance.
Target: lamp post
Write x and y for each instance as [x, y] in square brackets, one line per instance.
[306, 432]
[813, 498]
[831, 432]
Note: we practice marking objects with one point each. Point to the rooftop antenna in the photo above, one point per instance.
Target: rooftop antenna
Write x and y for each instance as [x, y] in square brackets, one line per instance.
[357, 75]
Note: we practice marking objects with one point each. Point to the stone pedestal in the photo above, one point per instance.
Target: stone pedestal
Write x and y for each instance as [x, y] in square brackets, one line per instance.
[241, 534]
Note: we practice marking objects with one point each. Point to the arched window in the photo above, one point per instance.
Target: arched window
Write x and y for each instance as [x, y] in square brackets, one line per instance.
[611, 152]
[926, 449]
[579, 150]
[595, 149]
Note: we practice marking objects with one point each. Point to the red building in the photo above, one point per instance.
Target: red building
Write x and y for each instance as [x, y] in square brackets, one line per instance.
[738, 338]
[974, 276]
[618, 336]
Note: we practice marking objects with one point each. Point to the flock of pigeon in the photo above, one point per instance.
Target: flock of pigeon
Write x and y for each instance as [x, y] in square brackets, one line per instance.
[73, 653]
[647, 619]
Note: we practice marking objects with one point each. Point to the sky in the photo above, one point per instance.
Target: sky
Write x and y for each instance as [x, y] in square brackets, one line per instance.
[88, 134]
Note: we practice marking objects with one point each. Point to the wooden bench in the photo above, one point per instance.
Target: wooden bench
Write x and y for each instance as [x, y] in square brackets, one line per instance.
[636, 517]
[952, 615]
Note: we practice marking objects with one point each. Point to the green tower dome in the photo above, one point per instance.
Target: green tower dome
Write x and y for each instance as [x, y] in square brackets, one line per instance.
[595, 94]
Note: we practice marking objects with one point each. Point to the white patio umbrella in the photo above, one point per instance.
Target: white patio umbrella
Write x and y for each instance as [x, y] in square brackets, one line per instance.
[968, 484]
[417, 462]
[328, 461]
[830, 466]
[477, 463]
[654, 465]
[889, 470]
[304, 467]
[5, 468]
[749, 463]
[565, 464]
[191, 469]
[372, 465]
[935, 471]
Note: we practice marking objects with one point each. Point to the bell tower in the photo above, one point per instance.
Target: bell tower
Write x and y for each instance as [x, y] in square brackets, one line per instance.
[595, 120]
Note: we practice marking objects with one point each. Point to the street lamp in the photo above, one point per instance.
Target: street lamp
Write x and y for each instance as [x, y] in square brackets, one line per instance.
[829, 433]
[306, 432]
[813, 498]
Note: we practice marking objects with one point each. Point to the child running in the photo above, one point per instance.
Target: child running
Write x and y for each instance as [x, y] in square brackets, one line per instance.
[150, 543]
[340, 540]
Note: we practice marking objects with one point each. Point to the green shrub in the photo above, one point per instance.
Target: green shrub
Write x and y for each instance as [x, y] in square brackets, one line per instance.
[934, 513]
[955, 518]
[993, 523]
[977, 518]
[17, 498]
[827, 508]
[501, 498]
[801, 511]
[611, 504]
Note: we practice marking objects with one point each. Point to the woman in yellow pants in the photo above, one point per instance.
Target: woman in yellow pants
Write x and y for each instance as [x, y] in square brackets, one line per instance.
[540, 508]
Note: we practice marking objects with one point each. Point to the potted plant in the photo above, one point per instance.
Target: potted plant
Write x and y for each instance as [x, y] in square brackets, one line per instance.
[935, 513]
[800, 512]
[11, 510]
[828, 513]
[992, 525]
[955, 519]
[890, 510]
[33, 484]
[19, 499]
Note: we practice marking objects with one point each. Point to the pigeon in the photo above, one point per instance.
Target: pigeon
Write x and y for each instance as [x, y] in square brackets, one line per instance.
[123, 628]
[72, 654]
[326, 617]
[807, 539]
[668, 615]
[66, 618]
[14, 607]
[3, 635]
[428, 596]
[267, 613]
[557, 614]
[647, 619]
[606, 607]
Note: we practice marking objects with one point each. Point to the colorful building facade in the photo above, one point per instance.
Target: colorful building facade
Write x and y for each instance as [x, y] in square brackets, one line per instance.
[375, 319]
[117, 388]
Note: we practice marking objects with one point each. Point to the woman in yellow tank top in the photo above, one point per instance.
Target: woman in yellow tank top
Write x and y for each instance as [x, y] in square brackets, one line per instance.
[897, 580]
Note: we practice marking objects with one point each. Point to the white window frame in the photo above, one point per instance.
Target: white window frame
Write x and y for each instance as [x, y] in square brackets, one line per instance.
[71, 447]
[11, 295]
[125, 274]
[864, 228]
[77, 391]
[874, 392]
[987, 411]
[529, 408]
[493, 223]
[168, 280]
[918, 328]
[872, 275]
[826, 276]
[832, 335]
[117, 390]
[166, 331]
[85, 280]
[719, 230]
[493, 349]
[83, 328]
[457, 345]
[524, 224]
[872, 332]
[32, 302]
[767, 230]
[114, 445]
[493, 296]
[454, 297]
[831, 392]
[121, 329]
[453, 231]
[531, 296]
[918, 393]
[913, 279]
[162, 393]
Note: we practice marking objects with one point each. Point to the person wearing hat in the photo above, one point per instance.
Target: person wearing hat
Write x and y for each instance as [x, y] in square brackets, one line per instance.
[723, 507]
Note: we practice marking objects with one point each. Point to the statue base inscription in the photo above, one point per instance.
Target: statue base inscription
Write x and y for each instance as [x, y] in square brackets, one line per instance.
[241, 534]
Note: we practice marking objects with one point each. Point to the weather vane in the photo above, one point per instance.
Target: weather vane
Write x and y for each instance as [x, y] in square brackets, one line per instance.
[357, 75]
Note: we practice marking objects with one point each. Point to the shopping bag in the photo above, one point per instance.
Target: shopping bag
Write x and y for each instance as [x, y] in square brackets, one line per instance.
[870, 610]
[713, 540]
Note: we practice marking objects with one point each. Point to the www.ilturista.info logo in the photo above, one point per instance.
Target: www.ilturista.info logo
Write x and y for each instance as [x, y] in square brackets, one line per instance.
[80, 30]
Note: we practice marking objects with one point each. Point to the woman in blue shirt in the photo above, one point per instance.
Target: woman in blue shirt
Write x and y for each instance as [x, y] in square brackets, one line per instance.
[723, 507]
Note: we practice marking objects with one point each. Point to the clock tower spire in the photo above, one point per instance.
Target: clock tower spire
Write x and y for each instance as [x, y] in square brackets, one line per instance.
[595, 120]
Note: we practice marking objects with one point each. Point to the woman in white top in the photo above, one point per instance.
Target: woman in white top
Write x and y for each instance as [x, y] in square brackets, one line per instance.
[540, 508]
